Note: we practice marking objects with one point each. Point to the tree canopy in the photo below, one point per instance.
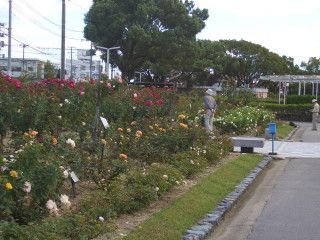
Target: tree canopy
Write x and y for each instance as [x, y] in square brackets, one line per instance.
[312, 66]
[248, 61]
[156, 34]
[49, 70]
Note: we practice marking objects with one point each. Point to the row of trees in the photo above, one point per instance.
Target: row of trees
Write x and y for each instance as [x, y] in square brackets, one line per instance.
[161, 35]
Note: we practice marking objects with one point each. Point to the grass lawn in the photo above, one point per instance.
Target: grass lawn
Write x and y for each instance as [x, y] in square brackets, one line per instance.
[283, 129]
[172, 222]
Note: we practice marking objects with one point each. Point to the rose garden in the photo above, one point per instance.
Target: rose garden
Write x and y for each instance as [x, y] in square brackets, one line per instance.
[64, 175]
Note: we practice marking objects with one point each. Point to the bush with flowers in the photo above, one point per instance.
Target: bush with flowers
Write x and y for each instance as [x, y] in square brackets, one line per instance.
[155, 141]
[242, 120]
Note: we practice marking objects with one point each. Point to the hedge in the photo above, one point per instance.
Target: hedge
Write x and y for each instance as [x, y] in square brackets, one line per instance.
[288, 112]
[296, 99]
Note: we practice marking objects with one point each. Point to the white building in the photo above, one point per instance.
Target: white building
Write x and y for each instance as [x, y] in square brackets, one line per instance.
[27, 67]
[81, 69]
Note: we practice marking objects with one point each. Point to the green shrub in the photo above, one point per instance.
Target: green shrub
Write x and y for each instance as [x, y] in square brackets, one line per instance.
[77, 226]
[296, 99]
[188, 162]
[133, 190]
[289, 112]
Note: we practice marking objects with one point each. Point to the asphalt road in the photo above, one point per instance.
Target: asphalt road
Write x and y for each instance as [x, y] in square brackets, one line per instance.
[284, 203]
[293, 211]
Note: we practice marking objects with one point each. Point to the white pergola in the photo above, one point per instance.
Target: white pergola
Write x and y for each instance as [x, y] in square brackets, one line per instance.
[284, 80]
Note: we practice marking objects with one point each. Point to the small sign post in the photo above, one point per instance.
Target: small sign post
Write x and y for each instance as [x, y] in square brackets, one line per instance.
[106, 126]
[272, 129]
[74, 179]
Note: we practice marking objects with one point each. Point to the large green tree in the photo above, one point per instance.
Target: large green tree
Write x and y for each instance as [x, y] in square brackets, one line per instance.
[158, 34]
[248, 61]
[49, 70]
[312, 66]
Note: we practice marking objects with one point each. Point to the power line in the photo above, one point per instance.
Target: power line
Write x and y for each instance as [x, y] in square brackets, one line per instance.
[45, 18]
[78, 5]
[38, 24]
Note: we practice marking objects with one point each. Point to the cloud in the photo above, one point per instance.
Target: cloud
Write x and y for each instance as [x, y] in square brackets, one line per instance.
[256, 8]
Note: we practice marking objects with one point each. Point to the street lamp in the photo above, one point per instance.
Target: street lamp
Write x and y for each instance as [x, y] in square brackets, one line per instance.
[108, 55]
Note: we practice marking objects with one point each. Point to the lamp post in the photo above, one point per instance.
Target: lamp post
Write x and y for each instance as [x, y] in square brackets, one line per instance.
[108, 56]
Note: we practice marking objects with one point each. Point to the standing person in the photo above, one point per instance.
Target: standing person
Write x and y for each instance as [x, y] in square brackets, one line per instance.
[210, 106]
[315, 114]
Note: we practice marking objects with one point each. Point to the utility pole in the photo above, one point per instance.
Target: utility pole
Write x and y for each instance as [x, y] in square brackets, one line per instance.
[71, 68]
[9, 72]
[63, 40]
[23, 47]
[90, 72]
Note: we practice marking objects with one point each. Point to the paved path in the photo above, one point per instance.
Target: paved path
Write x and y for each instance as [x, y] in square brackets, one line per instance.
[284, 204]
[305, 143]
[294, 208]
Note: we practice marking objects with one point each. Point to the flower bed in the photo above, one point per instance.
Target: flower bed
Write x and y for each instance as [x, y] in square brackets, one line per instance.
[242, 120]
[155, 141]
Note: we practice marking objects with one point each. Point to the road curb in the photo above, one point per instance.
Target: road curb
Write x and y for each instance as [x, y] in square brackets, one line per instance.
[291, 134]
[208, 224]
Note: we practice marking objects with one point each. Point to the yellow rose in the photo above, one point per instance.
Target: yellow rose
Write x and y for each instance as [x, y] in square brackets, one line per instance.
[181, 117]
[8, 186]
[13, 174]
[103, 142]
[183, 125]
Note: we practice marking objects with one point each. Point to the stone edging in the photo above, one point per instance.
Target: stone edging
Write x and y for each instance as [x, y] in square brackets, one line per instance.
[212, 219]
[292, 133]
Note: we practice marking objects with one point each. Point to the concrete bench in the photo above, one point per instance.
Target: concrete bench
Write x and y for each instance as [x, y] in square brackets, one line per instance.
[247, 144]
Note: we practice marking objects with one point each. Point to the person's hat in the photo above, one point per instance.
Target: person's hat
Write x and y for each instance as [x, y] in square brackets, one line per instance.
[314, 100]
[211, 92]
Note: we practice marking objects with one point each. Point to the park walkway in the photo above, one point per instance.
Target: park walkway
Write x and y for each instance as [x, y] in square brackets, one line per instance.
[305, 143]
[284, 204]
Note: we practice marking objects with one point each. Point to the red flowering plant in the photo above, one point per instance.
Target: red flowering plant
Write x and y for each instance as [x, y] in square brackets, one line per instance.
[152, 101]
[9, 91]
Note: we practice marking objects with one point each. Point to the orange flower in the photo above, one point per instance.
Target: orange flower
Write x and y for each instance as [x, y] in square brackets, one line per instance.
[138, 133]
[182, 125]
[120, 130]
[162, 130]
[123, 156]
[33, 133]
[54, 141]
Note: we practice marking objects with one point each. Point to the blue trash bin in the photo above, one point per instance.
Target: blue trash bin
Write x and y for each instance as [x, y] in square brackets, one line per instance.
[272, 128]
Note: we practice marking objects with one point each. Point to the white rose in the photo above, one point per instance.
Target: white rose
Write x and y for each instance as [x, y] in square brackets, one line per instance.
[65, 174]
[165, 177]
[71, 142]
[65, 201]
[27, 187]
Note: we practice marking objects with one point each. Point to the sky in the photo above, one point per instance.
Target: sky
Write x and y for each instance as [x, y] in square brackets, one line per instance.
[286, 27]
